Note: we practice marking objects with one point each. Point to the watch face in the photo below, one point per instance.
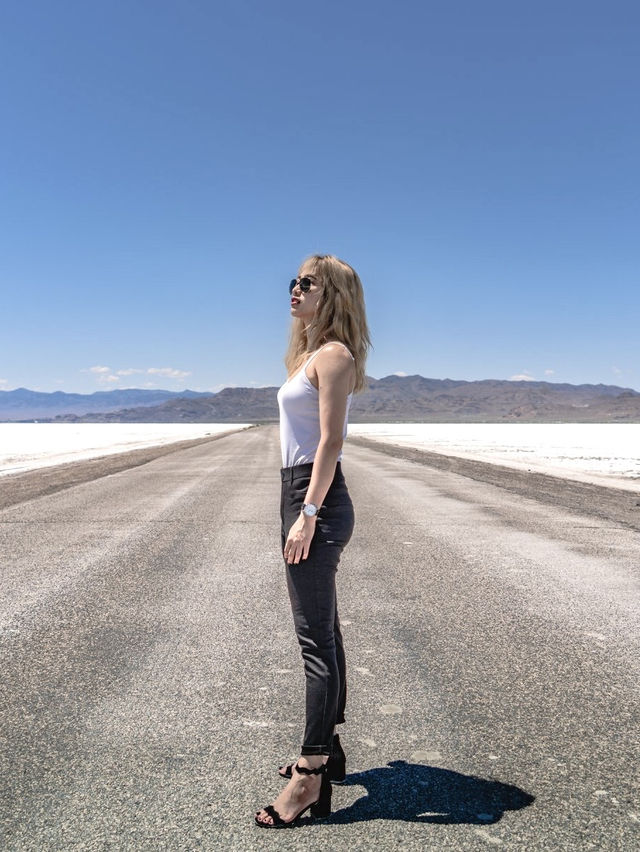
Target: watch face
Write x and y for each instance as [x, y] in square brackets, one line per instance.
[310, 509]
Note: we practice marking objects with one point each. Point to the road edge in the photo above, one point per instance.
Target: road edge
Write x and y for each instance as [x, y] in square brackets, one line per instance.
[613, 504]
[20, 487]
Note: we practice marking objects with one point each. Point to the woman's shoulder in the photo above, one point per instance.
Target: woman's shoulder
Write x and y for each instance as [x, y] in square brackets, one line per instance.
[332, 356]
[336, 346]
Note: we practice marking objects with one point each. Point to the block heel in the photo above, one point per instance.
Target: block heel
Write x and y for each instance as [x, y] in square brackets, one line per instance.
[322, 807]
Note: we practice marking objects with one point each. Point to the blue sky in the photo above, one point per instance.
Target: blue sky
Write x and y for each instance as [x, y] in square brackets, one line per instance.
[167, 164]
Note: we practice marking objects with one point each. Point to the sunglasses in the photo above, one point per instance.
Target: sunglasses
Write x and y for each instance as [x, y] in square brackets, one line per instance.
[303, 283]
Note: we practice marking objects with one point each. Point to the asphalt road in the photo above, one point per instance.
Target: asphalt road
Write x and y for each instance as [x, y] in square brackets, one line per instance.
[151, 682]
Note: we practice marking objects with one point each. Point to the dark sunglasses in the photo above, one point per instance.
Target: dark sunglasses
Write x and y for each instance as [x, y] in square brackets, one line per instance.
[303, 283]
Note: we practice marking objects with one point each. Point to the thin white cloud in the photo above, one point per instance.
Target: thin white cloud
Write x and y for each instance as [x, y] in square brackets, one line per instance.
[4, 381]
[102, 373]
[168, 372]
[549, 372]
[399, 373]
[521, 377]
[616, 370]
[105, 375]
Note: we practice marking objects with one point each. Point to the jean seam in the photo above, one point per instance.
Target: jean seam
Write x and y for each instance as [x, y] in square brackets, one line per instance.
[326, 681]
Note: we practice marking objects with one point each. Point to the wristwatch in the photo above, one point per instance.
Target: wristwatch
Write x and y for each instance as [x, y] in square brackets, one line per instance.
[310, 509]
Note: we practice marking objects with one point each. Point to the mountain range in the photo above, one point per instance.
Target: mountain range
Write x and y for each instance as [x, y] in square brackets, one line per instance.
[390, 399]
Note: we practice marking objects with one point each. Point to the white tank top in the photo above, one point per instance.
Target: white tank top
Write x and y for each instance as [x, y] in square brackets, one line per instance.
[300, 416]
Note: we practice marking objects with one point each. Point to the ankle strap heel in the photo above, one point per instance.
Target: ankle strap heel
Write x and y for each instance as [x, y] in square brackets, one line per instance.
[320, 808]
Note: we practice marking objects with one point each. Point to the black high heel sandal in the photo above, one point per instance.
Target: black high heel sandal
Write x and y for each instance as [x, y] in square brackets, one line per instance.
[336, 765]
[320, 808]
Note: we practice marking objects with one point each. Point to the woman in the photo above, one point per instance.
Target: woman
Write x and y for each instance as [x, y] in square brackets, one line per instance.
[328, 345]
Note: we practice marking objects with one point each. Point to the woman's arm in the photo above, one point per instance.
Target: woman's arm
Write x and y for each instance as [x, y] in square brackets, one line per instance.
[335, 370]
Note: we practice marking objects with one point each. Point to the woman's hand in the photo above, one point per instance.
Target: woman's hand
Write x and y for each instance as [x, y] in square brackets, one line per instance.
[299, 538]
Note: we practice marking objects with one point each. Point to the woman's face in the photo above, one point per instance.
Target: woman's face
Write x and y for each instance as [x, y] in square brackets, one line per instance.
[303, 305]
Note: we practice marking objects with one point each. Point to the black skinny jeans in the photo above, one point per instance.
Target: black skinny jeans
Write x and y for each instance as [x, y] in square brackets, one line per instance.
[312, 592]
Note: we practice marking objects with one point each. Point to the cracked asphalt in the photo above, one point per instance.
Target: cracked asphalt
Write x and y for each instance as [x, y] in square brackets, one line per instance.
[152, 683]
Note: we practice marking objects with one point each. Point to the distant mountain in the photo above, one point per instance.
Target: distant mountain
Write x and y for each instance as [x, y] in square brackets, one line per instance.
[396, 399]
[25, 404]
[414, 398]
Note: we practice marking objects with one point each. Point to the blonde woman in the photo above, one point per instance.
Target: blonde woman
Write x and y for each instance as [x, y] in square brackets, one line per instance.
[328, 347]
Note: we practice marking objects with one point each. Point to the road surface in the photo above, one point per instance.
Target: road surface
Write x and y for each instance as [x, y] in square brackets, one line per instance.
[151, 680]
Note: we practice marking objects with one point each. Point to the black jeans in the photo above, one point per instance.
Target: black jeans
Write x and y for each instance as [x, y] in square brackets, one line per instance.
[312, 592]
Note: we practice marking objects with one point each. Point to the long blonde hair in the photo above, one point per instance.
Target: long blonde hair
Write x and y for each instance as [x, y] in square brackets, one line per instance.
[340, 315]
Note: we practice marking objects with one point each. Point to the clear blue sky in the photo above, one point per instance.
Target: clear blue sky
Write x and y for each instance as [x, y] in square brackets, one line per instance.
[166, 165]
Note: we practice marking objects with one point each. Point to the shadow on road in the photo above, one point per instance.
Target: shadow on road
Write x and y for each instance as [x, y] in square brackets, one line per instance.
[416, 793]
